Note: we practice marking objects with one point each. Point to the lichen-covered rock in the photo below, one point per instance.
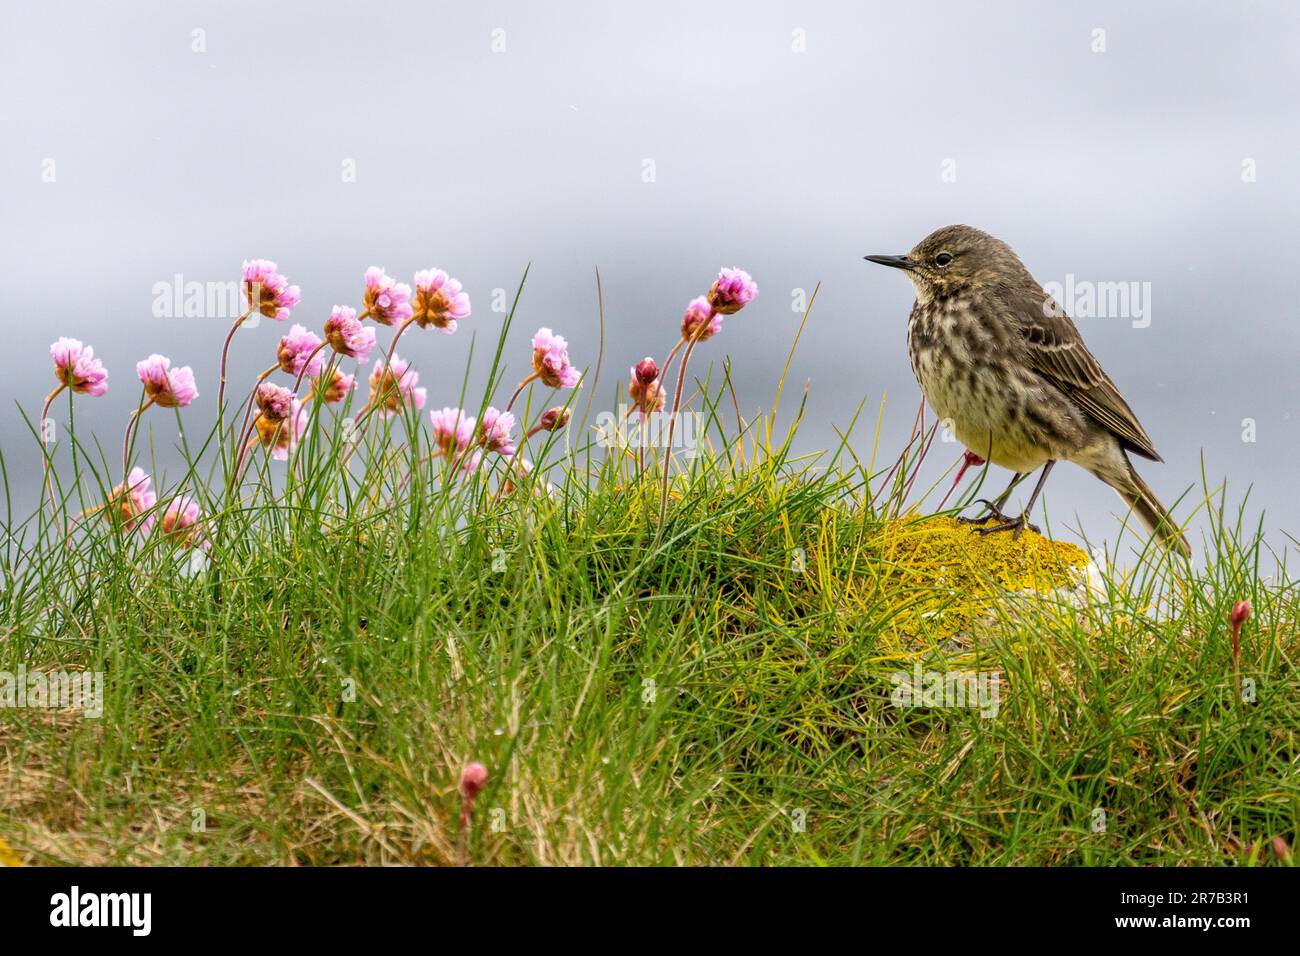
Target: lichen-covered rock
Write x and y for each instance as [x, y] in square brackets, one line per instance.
[947, 575]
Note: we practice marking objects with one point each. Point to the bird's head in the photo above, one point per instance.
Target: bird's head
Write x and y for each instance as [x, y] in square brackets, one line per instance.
[956, 259]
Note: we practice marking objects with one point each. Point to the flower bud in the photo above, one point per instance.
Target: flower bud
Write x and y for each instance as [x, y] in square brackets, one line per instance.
[1241, 612]
[274, 402]
[472, 780]
[1280, 849]
[646, 371]
[556, 417]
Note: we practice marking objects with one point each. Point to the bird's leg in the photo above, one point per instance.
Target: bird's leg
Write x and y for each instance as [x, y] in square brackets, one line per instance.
[1017, 525]
[993, 509]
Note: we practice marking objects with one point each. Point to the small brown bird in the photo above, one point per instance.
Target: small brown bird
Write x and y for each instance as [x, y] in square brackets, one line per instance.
[999, 358]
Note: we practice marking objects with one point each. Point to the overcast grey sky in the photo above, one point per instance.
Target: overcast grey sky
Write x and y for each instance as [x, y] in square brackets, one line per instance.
[786, 138]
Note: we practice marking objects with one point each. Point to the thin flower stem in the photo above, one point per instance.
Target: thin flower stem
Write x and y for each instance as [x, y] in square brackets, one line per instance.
[522, 385]
[49, 484]
[72, 442]
[126, 438]
[668, 362]
[49, 400]
[243, 454]
[221, 387]
[924, 450]
[672, 422]
[392, 349]
[640, 448]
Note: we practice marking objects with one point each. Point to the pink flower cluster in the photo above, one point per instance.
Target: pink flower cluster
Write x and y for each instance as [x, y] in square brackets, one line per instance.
[299, 352]
[495, 432]
[132, 499]
[274, 415]
[336, 389]
[268, 291]
[281, 435]
[393, 386]
[182, 523]
[551, 360]
[386, 300]
[730, 292]
[76, 367]
[347, 336]
[274, 401]
[452, 432]
[166, 386]
[439, 300]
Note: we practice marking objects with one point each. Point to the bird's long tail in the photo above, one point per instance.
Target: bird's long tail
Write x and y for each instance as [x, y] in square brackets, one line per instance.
[1154, 516]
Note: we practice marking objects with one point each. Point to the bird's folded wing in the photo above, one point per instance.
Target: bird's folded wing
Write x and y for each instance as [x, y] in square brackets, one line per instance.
[1056, 351]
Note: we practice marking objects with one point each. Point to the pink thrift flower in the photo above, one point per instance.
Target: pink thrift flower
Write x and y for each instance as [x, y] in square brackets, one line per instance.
[644, 388]
[298, 351]
[76, 367]
[268, 291]
[439, 300]
[386, 301]
[336, 390]
[180, 522]
[732, 291]
[452, 431]
[551, 360]
[347, 336]
[392, 389]
[495, 431]
[701, 321]
[282, 436]
[168, 387]
[274, 401]
[131, 499]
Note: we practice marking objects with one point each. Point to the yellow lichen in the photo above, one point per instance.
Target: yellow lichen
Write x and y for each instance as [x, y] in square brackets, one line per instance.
[935, 577]
[952, 573]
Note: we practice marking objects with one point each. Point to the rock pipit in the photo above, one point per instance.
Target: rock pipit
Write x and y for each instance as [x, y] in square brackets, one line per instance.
[999, 358]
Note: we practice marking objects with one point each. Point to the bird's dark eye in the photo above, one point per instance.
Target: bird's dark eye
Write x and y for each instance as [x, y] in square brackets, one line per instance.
[942, 259]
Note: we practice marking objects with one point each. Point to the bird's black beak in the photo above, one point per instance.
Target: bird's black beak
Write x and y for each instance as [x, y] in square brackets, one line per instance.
[896, 262]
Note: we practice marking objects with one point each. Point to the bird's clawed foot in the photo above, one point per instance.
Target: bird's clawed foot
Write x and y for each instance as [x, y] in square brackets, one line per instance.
[991, 512]
[1014, 525]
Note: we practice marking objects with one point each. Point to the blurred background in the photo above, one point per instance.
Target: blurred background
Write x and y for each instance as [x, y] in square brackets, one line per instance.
[1153, 144]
